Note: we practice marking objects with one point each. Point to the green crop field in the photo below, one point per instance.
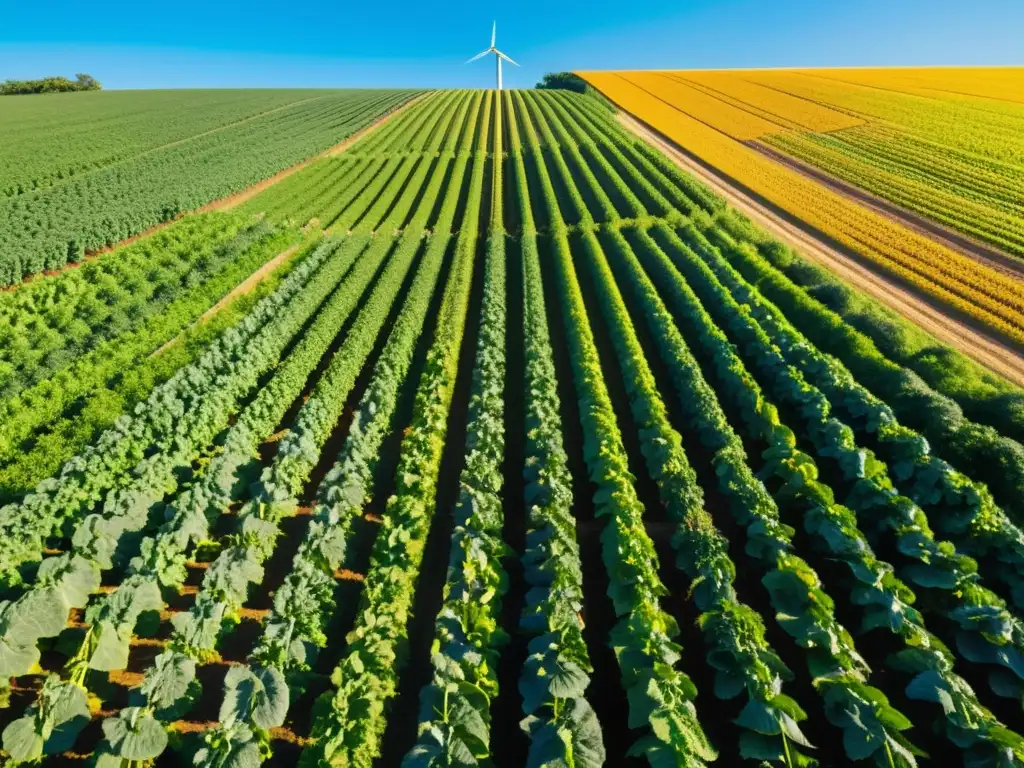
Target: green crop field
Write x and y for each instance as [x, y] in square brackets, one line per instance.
[531, 452]
[118, 163]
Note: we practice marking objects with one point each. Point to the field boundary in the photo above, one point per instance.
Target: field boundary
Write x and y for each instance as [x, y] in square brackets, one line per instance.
[964, 244]
[940, 321]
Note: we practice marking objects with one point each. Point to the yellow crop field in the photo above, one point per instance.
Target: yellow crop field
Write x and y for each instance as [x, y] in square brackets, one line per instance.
[778, 106]
[720, 115]
[956, 279]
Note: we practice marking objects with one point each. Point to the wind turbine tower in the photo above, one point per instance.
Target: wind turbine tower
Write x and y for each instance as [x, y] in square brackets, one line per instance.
[498, 55]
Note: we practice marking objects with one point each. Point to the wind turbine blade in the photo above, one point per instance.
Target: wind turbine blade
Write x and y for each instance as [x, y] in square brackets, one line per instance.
[506, 58]
[479, 56]
[494, 33]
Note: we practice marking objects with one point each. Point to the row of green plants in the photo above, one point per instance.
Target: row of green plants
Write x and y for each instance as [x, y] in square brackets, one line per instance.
[103, 540]
[872, 729]
[169, 687]
[660, 695]
[455, 713]
[199, 633]
[113, 618]
[744, 662]
[137, 457]
[627, 169]
[961, 509]
[50, 140]
[885, 601]
[849, 700]
[979, 451]
[454, 719]
[558, 717]
[32, 409]
[350, 722]
[765, 716]
[330, 185]
[688, 195]
[61, 438]
[46, 323]
[983, 396]
[568, 161]
[302, 608]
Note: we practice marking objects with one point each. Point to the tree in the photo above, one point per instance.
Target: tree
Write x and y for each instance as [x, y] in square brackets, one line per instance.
[565, 81]
[87, 82]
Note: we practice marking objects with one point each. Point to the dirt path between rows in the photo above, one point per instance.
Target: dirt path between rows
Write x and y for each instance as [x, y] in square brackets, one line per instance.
[981, 347]
[990, 256]
[244, 287]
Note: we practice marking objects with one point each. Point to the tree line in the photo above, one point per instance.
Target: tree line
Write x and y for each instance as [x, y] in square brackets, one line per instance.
[82, 82]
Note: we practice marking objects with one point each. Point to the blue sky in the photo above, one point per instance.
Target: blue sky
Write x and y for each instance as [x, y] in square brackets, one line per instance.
[319, 43]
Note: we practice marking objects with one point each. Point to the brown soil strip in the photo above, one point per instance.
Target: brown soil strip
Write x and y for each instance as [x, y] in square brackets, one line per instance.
[253, 614]
[277, 436]
[225, 203]
[344, 574]
[994, 354]
[966, 245]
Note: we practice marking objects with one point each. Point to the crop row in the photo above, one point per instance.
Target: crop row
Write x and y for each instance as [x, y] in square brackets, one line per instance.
[169, 688]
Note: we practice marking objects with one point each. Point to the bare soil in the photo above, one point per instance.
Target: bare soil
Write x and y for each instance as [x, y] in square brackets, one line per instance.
[940, 322]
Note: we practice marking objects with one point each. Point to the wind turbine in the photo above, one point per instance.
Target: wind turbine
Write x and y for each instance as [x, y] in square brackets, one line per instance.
[498, 55]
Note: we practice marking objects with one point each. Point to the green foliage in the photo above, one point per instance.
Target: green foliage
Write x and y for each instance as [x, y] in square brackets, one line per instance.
[350, 729]
[82, 82]
[567, 81]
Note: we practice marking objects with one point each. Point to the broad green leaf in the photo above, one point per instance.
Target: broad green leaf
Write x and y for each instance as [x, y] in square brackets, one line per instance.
[258, 695]
[112, 647]
[168, 680]
[135, 734]
[22, 740]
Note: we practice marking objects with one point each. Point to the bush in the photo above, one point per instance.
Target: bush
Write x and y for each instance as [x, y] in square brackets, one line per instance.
[564, 81]
[82, 82]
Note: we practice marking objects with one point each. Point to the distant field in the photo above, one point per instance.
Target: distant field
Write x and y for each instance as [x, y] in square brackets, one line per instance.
[945, 145]
[80, 172]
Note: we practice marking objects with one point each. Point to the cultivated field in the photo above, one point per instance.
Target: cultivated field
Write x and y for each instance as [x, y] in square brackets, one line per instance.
[917, 172]
[115, 164]
[530, 451]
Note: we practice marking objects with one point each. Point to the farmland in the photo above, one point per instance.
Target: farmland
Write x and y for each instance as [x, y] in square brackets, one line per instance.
[530, 451]
[943, 146]
[96, 186]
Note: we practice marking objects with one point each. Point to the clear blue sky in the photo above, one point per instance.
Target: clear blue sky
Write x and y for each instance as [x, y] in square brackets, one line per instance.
[396, 42]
